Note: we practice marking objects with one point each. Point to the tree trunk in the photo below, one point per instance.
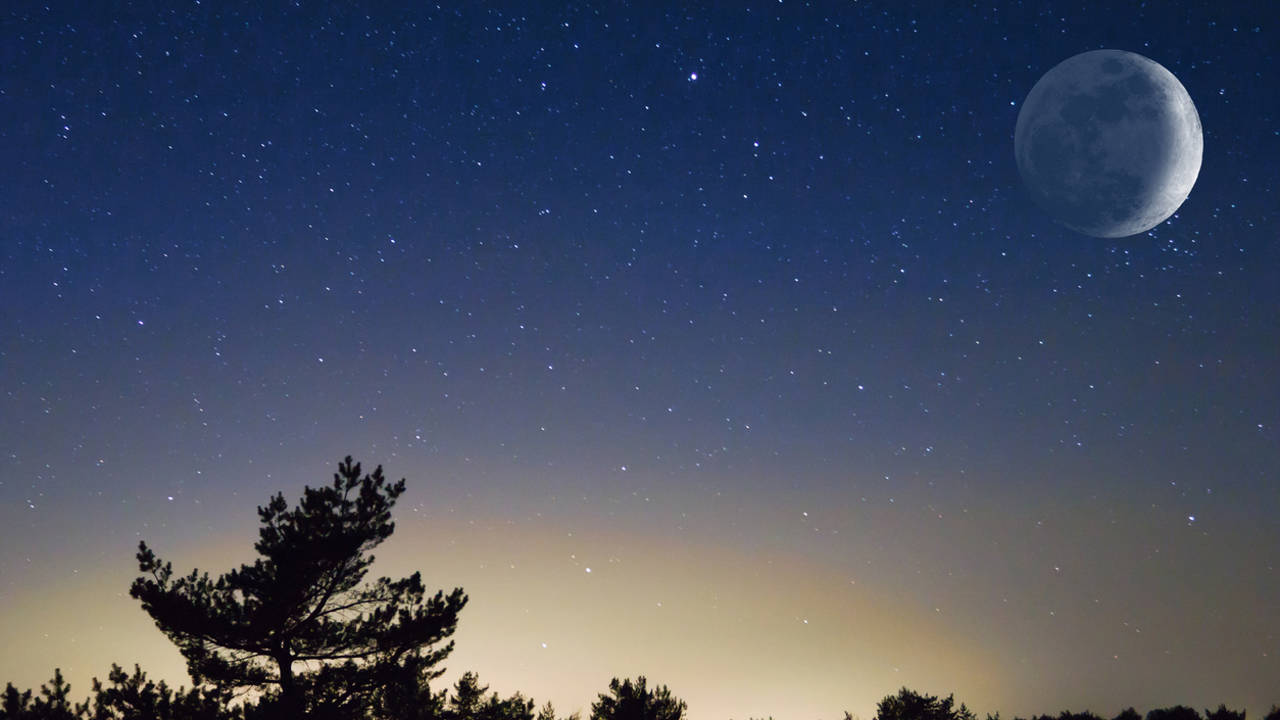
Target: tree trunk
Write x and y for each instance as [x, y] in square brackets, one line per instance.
[290, 700]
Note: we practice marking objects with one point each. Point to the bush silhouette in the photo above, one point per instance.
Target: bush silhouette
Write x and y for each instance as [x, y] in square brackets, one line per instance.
[633, 701]
[1128, 714]
[911, 705]
[1177, 712]
[1222, 713]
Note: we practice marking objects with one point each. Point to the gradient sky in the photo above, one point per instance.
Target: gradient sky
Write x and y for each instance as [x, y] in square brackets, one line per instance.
[741, 306]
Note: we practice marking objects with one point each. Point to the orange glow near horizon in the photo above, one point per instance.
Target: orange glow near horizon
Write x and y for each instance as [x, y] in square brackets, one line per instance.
[773, 631]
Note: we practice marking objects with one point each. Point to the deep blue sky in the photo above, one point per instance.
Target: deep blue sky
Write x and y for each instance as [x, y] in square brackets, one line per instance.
[755, 283]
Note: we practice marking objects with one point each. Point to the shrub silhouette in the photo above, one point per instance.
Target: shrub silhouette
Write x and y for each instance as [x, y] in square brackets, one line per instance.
[1085, 715]
[633, 701]
[297, 626]
[1128, 714]
[1222, 713]
[1177, 712]
[911, 705]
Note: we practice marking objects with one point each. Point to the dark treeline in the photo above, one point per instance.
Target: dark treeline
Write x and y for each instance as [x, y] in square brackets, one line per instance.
[299, 634]
[134, 697]
[910, 705]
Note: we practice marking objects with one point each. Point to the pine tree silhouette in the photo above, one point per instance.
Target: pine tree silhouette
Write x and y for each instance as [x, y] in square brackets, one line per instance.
[298, 626]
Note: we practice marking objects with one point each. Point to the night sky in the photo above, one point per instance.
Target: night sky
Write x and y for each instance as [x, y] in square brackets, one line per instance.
[721, 344]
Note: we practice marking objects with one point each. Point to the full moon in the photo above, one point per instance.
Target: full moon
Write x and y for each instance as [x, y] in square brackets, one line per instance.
[1108, 142]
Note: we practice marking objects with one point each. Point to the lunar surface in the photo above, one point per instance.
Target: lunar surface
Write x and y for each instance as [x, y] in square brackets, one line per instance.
[1109, 143]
